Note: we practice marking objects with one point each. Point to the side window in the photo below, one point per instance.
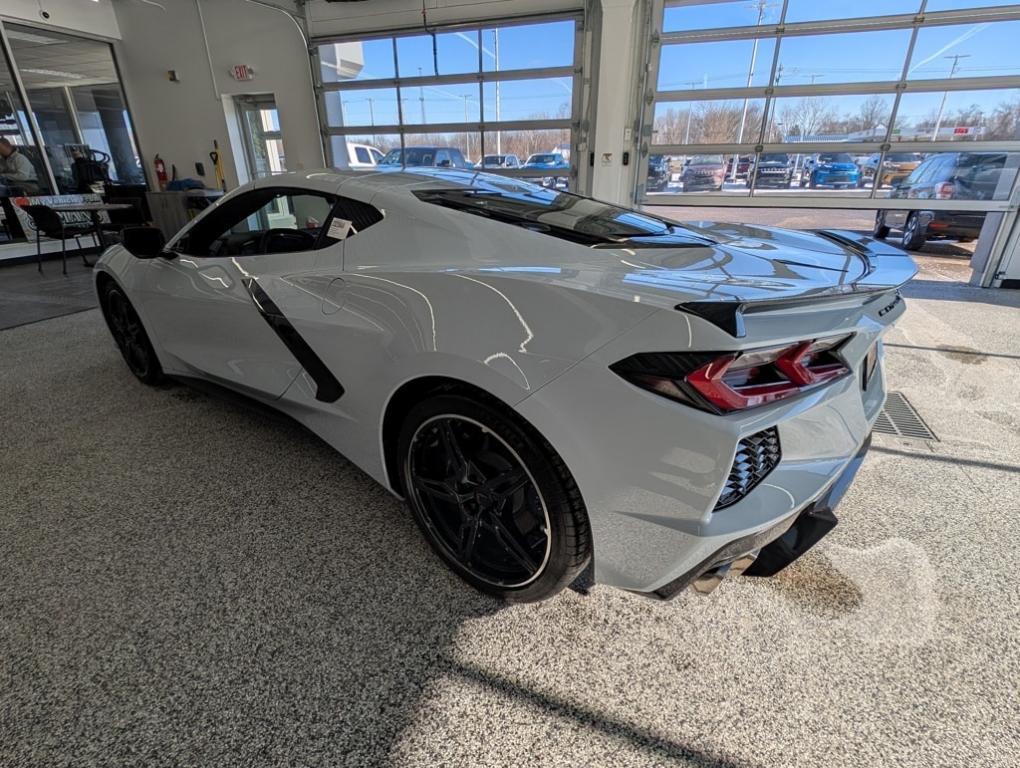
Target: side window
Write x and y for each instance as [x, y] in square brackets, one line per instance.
[458, 159]
[923, 171]
[360, 215]
[362, 155]
[443, 158]
[263, 221]
[377, 156]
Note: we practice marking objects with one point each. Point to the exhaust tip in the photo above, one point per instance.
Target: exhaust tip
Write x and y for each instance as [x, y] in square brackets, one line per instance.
[707, 582]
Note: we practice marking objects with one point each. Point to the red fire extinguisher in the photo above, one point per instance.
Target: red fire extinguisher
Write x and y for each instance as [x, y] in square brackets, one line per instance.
[161, 173]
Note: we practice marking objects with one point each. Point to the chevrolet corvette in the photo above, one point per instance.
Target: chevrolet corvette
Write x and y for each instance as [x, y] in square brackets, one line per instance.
[564, 392]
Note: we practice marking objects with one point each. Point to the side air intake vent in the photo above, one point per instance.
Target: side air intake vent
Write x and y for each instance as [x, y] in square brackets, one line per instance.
[757, 455]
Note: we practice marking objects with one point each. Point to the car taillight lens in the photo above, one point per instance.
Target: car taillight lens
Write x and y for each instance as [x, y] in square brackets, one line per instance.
[736, 381]
[945, 190]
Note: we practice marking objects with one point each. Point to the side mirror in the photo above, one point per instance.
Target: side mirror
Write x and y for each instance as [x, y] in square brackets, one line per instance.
[144, 242]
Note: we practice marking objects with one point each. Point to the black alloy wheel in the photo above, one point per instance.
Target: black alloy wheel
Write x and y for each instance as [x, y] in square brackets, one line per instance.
[914, 233]
[129, 333]
[880, 231]
[492, 500]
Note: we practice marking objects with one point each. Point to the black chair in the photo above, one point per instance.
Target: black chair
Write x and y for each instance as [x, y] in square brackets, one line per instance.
[48, 222]
[125, 217]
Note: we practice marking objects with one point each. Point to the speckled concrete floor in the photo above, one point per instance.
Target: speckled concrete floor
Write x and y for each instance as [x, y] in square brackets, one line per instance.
[186, 583]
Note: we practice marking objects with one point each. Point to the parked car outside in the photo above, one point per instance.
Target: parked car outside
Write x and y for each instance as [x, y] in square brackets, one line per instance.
[547, 161]
[744, 164]
[897, 167]
[830, 169]
[774, 170]
[418, 157]
[945, 176]
[363, 156]
[499, 161]
[704, 172]
[550, 161]
[658, 174]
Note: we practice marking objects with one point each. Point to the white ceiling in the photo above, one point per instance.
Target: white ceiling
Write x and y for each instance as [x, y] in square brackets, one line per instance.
[46, 60]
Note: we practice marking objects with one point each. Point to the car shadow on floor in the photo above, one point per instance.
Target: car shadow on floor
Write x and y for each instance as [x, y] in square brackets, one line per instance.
[188, 582]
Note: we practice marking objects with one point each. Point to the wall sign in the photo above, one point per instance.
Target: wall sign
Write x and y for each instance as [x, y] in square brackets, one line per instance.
[242, 72]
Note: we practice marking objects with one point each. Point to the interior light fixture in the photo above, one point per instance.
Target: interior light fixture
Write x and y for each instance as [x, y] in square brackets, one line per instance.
[53, 73]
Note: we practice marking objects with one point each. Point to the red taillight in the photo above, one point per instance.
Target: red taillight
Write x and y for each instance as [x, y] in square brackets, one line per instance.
[945, 190]
[736, 381]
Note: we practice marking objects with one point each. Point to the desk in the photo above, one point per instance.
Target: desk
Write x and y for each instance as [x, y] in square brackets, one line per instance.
[93, 209]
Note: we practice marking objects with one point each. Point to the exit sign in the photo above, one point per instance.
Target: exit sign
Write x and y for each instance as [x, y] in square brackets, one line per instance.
[242, 72]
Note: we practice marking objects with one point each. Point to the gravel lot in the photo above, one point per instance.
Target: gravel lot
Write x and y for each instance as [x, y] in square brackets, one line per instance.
[184, 582]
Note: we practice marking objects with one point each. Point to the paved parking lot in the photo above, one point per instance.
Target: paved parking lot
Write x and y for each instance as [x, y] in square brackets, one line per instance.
[184, 582]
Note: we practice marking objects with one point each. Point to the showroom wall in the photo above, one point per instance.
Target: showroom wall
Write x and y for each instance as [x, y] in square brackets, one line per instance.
[179, 120]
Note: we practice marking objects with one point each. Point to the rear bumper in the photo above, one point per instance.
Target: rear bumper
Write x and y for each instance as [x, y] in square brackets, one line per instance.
[953, 224]
[770, 551]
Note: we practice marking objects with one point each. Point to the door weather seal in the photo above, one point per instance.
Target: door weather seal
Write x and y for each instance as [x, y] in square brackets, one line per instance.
[327, 388]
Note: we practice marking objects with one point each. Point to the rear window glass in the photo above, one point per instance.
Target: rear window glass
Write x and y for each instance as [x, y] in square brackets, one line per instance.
[562, 214]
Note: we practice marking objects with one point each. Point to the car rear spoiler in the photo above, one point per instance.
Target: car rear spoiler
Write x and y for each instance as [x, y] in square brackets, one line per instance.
[889, 267]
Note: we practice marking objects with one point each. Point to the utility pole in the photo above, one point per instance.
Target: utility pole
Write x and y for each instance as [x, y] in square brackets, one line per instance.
[467, 133]
[371, 111]
[761, 6]
[495, 55]
[421, 98]
[942, 106]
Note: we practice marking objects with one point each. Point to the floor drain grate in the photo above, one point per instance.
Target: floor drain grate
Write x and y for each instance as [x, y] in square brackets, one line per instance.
[899, 418]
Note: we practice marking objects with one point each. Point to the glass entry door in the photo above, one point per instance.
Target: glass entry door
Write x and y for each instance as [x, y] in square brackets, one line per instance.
[261, 136]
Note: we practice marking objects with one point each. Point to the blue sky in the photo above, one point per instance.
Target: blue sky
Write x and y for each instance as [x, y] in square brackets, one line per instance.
[986, 49]
[991, 49]
[534, 46]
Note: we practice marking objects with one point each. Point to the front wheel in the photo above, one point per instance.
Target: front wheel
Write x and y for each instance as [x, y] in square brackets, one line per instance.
[493, 499]
[129, 333]
[914, 233]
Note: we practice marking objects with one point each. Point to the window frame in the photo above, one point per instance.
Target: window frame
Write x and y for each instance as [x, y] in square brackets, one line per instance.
[485, 127]
[760, 141]
[228, 208]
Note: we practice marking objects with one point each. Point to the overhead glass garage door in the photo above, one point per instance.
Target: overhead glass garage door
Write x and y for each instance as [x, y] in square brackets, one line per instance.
[504, 96]
[804, 103]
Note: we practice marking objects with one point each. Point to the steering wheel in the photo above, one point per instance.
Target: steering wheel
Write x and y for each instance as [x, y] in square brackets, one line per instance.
[286, 241]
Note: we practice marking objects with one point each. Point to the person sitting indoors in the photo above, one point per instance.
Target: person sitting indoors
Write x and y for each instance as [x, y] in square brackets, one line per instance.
[16, 170]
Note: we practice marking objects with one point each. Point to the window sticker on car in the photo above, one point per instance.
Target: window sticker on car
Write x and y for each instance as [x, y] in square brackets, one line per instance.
[339, 229]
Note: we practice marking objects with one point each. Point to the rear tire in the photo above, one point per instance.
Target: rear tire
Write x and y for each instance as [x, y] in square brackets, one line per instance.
[129, 333]
[914, 233]
[880, 231]
[492, 498]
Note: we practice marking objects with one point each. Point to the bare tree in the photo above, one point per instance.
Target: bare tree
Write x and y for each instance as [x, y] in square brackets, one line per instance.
[806, 116]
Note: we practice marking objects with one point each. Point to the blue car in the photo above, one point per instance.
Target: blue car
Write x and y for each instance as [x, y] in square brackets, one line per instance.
[833, 169]
[550, 161]
[547, 161]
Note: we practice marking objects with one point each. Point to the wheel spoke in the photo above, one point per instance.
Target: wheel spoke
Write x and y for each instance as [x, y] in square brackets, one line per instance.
[454, 455]
[438, 489]
[506, 484]
[513, 547]
[468, 536]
